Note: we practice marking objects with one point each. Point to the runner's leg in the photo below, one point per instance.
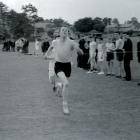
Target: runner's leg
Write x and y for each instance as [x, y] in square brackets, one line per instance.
[65, 83]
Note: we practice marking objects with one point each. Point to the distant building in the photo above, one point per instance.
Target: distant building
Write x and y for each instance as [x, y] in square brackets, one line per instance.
[123, 28]
[127, 28]
[111, 28]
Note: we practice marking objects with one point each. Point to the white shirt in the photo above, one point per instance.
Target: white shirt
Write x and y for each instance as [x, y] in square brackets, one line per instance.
[100, 48]
[37, 45]
[92, 48]
[119, 44]
[109, 47]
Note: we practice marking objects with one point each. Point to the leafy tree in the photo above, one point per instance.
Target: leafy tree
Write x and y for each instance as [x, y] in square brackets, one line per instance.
[107, 21]
[135, 22]
[59, 22]
[3, 10]
[98, 24]
[115, 21]
[40, 19]
[84, 24]
[31, 12]
[22, 26]
[3, 19]
[50, 32]
[12, 20]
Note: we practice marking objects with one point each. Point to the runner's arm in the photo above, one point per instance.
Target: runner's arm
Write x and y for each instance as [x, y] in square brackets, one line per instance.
[76, 47]
[46, 56]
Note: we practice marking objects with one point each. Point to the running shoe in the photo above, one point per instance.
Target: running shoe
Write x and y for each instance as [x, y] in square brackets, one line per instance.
[90, 72]
[100, 73]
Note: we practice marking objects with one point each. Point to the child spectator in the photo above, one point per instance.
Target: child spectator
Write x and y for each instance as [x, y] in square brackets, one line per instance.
[100, 55]
[110, 47]
[119, 55]
[92, 55]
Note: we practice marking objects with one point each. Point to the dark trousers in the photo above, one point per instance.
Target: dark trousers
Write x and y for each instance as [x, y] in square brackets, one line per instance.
[80, 61]
[127, 68]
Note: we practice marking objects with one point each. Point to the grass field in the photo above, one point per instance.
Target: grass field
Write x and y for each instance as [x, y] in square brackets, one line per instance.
[102, 108]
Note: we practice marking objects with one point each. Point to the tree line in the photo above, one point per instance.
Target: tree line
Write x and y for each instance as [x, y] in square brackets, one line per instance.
[15, 25]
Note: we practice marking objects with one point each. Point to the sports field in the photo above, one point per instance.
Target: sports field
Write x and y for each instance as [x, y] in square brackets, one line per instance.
[102, 108]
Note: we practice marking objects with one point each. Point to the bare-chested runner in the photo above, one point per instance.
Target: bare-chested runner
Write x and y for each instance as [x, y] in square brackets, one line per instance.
[64, 48]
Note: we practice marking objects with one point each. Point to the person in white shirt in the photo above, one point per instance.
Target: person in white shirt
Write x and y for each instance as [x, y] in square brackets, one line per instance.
[110, 47]
[64, 47]
[100, 55]
[119, 55]
[37, 46]
[92, 55]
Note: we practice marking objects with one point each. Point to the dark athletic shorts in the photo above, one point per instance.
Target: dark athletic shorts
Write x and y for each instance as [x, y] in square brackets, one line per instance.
[119, 54]
[110, 56]
[63, 67]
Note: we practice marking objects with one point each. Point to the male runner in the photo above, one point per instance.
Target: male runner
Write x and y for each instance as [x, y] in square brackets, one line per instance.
[64, 48]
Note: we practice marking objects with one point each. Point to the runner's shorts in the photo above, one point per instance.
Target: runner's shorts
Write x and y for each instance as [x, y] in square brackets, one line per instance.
[110, 56]
[119, 54]
[63, 67]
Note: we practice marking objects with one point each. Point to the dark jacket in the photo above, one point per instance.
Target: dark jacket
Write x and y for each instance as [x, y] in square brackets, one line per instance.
[128, 50]
[82, 44]
[45, 45]
[138, 51]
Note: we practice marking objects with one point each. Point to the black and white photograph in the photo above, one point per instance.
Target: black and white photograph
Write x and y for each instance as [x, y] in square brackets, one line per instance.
[69, 70]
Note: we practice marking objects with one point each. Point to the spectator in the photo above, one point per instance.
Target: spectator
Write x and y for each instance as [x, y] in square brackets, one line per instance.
[92, 55]
[12, 45]
[6, 45]
[37, 45]
[110, 47]
[119, 55]
[128, 56]
[100, 56]
[138, 55]
[79, 56]
[25, 48]
[45, 45]
[85, 58]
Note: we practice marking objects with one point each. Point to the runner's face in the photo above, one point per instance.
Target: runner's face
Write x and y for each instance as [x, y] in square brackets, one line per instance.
[64, 32]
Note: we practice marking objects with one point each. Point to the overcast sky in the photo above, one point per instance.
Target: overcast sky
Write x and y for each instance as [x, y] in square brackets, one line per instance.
[71, 10]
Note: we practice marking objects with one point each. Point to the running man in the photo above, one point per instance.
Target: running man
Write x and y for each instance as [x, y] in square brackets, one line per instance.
[64, 48]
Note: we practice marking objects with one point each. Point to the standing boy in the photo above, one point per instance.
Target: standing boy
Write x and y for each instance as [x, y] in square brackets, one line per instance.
[92, 55]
